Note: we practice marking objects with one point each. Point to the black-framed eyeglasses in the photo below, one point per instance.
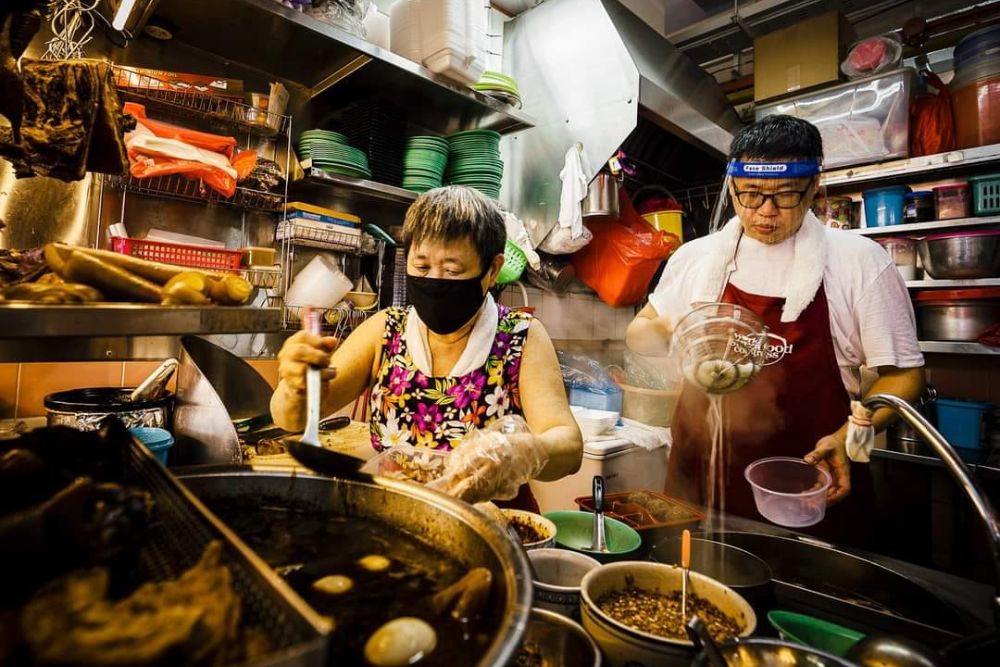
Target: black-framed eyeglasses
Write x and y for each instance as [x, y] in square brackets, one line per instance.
[785, 199]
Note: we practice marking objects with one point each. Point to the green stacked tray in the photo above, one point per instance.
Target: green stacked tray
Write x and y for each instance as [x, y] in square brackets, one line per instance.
[474, 161]
[499, 86]
[330, 152]
[424, 163]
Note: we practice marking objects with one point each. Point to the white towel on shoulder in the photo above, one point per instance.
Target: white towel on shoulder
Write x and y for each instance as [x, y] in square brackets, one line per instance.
[477, 347]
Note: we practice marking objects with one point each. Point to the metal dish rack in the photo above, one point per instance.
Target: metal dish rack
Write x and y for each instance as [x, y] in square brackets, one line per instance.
[252, 127]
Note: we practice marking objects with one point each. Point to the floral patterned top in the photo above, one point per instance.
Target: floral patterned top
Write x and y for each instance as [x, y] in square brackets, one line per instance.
[437, 412]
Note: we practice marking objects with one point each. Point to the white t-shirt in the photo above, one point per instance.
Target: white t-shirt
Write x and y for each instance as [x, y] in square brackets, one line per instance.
[871, 317]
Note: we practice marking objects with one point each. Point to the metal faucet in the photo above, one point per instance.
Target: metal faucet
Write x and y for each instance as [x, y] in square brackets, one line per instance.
[958, 470]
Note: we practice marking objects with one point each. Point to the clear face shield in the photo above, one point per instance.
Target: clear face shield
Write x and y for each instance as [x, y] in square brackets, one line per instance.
[770, 198]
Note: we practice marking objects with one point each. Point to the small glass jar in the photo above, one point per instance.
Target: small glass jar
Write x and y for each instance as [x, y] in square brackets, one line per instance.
[903, 252]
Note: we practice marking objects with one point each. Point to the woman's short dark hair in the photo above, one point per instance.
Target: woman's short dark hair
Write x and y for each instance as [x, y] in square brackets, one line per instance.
[778, 137]
[453, 213]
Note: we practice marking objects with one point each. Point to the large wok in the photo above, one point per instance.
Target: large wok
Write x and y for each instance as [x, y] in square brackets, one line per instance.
[436, 519]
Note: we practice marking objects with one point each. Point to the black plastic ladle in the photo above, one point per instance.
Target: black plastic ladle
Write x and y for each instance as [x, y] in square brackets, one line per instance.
[307, 450]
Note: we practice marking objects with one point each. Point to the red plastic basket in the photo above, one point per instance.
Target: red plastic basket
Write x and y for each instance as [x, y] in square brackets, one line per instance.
[179, 254]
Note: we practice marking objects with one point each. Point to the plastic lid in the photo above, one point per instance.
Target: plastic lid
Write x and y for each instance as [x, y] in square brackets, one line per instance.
[976, 44]
[893, 189]
[957, 235]
[952, 186]
[953, 294]
[918, 194]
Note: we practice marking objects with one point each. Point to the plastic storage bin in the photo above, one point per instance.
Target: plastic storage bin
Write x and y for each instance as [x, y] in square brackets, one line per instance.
[904, 255]
[861, 122]
[952, 201]
[884, 206]
[654, 515]
[919, 206]
[961, 422]
[975, 88]
[445, 36]
[985, 194]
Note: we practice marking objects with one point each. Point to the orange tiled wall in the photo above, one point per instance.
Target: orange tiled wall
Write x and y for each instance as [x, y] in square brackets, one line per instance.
[23, 387]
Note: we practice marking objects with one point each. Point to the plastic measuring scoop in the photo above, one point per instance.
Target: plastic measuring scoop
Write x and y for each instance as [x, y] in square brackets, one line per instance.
[307, 450]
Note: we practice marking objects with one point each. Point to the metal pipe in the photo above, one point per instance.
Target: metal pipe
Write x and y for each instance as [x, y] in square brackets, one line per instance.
[958, 470]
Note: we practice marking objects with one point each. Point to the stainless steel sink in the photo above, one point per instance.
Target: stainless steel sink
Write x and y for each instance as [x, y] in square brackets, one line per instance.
[820, 580]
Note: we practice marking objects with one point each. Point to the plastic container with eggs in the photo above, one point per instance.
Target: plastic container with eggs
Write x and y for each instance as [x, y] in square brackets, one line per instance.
[723, 346]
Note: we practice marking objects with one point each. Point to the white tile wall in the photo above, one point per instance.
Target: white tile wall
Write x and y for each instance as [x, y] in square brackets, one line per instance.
[574, 316]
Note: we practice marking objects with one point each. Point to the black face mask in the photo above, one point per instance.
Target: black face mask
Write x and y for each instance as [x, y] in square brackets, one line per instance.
[445, 305]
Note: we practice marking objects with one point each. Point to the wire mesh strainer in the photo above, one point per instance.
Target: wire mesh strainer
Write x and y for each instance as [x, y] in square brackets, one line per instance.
[722, 346]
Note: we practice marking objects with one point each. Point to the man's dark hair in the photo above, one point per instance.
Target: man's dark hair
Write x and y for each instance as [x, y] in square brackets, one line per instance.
[778, 138]
[453, 213]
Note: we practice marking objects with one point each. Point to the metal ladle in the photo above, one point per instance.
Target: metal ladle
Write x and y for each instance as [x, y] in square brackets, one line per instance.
[698, 633]
[599, 542]
[307, 450]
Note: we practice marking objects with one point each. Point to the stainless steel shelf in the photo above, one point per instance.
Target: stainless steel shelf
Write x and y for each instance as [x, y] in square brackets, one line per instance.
[350, 189]
[935, 226]
[23, 320]
[320, 56]
[927, 165]
[945, 284]
[178, 187]
[950, 347]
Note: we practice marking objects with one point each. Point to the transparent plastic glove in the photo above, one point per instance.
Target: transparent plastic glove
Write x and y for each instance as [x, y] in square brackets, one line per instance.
[492, 463]
[860, 433]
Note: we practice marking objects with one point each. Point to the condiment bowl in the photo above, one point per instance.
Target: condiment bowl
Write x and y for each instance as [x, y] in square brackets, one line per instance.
[558, 641]
[623, 645]
[558, 573]
[542, 526]
[575, 531]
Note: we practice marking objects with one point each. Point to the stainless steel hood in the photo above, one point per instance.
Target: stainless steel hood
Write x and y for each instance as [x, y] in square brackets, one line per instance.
[587, 69]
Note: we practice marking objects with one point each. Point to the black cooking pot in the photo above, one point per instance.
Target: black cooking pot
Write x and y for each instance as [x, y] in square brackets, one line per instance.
[737, 568]
[85, 409]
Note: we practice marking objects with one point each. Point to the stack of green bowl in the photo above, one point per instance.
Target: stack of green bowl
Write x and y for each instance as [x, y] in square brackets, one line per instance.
[499, 86]
[474, 161]
[330, 152]
[424, 163]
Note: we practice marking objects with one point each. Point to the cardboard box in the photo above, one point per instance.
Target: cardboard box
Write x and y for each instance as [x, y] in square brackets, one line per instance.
[803, 56]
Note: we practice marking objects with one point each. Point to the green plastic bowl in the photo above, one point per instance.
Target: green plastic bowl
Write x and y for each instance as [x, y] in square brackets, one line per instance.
[575, 531]
[814, 632]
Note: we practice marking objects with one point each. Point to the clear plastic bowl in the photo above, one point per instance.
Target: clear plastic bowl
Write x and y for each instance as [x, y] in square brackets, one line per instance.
[789, 491]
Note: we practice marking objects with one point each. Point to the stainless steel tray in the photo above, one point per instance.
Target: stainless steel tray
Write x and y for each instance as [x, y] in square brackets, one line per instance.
[183, 527]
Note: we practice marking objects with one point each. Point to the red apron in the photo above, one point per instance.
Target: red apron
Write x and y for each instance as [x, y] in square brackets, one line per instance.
[783, 411]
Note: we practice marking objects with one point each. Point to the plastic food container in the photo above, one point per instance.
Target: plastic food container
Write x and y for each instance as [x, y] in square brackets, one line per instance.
[158, 440]
[884, 206]
[961, 422]
[321, 284]
[863, 121]
[904, 255]
[789, 491]
[835, 211]
[256, 256]
[409, 464]
[918, 206]
[652, 514]
[952, 201]
[975, 89]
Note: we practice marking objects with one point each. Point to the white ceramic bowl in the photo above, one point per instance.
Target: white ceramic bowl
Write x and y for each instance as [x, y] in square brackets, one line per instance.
[623, 645]
[558, 573]
[542, 525]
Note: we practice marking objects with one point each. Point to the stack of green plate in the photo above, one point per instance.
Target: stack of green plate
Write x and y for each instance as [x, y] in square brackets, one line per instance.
[474, 160]
[424, 163]
[330, 152]
[499, 86]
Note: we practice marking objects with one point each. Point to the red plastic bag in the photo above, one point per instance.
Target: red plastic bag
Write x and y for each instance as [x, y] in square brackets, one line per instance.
[623, 257]
[151, 166]
[210, 142]
[932, 120]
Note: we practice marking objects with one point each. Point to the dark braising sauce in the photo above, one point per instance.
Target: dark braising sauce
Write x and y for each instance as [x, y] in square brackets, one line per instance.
[304, 547]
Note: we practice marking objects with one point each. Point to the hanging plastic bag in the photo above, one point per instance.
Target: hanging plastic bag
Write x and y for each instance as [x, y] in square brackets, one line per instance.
[872, 56]
[588, 384]
[623, 257]
[560, 241]
[932, 120]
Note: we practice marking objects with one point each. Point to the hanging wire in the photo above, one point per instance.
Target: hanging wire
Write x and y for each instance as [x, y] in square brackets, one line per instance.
[73, 23]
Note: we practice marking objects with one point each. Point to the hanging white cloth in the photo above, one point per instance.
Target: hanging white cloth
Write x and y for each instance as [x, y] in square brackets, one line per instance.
[574, 190]
[477, 347]
[860, 433]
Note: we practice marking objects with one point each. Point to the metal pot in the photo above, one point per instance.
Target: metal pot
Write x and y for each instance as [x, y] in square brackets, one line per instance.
[433, 518]
[957, 314]
[961, 255]
[85, 409]
[559, 641]
[760, 651]
[737, 568]
[602, 197]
